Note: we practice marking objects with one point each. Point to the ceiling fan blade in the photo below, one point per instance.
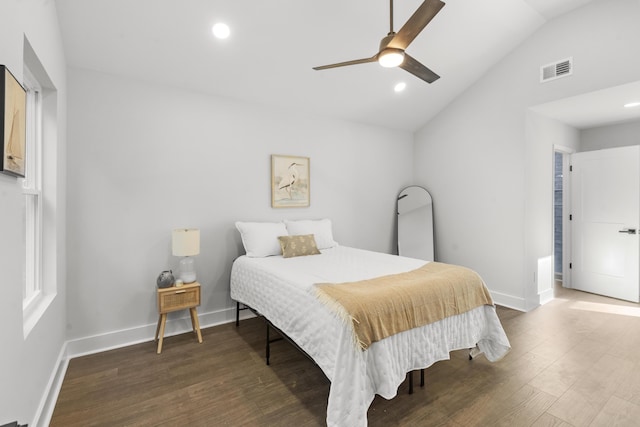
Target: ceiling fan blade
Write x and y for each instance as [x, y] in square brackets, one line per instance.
[344, 64]
[420, 18]
[411, 65]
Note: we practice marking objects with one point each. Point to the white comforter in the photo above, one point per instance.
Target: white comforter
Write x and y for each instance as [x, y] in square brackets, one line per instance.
[281, 290]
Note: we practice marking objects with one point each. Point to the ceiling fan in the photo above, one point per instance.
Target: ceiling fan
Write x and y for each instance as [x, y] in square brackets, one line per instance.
[392, 47]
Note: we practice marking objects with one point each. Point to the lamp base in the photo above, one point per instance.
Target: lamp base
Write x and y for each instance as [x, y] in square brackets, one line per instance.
[187, 270]
[186, 279]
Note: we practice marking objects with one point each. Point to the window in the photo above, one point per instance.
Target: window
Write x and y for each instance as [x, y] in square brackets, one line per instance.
[32, 189]
[43, 266]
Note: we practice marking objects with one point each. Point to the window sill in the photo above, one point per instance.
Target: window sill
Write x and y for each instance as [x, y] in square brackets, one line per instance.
[34, 310]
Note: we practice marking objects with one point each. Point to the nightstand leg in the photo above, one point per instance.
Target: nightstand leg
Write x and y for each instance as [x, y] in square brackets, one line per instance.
[163, 321]
[155, 338]
[196, 323]
[193, 321]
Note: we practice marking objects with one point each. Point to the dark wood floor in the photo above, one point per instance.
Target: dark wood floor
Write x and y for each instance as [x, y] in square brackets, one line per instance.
[575, 362]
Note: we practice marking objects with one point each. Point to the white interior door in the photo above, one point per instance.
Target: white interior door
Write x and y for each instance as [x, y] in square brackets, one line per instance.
[605, 207]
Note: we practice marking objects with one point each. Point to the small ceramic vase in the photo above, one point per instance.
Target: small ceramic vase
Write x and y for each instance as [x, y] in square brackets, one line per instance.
[165, 279]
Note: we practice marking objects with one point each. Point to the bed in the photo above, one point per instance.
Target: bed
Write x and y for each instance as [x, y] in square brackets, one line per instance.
[283, 290]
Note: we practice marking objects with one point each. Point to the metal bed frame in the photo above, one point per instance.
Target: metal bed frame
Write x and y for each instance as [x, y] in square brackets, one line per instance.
[284, 336]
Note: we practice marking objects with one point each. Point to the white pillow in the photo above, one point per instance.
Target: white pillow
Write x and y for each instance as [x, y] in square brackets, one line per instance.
[320, 228]
[260, 239]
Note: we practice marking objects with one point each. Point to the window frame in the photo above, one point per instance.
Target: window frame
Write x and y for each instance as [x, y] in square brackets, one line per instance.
[32, 190]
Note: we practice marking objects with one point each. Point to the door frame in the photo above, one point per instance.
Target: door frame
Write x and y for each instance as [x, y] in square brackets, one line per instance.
[566, 212]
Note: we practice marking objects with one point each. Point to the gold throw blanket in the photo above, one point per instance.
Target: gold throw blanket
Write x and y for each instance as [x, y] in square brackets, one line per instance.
[387, 305]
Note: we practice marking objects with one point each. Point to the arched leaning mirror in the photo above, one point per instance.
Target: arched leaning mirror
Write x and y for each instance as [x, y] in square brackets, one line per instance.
[415, 223]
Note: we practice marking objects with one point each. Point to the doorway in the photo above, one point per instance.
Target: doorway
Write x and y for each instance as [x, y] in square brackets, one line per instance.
[557, 216]
[555, 126]
[603, 191]
[561, 216]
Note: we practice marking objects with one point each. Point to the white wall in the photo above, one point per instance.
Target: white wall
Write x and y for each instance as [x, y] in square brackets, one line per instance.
[27, 365]
[474, 157]
[610, 136]
[144, 159]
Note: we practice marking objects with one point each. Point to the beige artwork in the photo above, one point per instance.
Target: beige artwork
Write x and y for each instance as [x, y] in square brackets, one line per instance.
[14, 125]
[290, 183]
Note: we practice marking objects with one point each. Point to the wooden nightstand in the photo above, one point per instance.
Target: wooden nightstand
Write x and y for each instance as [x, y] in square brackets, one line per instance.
[174, 299]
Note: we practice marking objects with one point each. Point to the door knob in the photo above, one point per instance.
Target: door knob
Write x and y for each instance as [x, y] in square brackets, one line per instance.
[628, 231]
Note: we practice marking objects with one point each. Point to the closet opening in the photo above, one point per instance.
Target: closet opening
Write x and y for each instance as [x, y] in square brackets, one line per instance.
[558, 226]
[561, 217]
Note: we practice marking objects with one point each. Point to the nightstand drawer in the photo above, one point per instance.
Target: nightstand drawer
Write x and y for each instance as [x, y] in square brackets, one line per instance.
[172, 299]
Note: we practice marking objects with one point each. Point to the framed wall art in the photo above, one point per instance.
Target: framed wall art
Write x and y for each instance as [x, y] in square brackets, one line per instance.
[290, 182]
[13, 106]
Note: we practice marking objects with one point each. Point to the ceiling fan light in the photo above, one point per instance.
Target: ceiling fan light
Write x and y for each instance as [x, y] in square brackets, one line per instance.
[391, 57]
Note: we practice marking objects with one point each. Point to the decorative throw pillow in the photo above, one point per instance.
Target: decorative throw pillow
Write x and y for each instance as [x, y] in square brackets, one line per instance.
[298, 245]
[260, 239]
[320, 228]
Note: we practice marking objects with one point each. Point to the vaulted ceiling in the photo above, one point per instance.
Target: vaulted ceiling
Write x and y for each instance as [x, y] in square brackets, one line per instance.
[273, 46]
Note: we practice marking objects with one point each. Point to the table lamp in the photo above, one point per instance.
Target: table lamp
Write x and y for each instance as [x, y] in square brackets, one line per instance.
[186, 243]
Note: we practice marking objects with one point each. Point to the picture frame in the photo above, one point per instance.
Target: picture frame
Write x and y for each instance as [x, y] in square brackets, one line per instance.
[13, 127]
[290, 181]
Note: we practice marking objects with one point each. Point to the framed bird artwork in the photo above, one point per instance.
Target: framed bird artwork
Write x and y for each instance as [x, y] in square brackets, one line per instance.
[290, 182]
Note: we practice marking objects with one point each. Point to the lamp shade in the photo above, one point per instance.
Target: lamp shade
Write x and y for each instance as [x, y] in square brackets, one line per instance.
[186, 242]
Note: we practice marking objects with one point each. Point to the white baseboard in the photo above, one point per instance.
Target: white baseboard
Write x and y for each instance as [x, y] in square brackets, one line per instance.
[546, 296]
[509, 301]
[48, 403]
[176, 324]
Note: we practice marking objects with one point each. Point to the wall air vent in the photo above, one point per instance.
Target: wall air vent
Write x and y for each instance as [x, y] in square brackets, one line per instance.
[556, 70]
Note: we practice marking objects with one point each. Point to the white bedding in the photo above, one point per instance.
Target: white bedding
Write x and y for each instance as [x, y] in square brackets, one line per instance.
[281, 290]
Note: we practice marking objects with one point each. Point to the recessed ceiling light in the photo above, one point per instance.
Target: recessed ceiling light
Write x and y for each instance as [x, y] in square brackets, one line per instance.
[632, 104]
[221, 30]
[400, 87]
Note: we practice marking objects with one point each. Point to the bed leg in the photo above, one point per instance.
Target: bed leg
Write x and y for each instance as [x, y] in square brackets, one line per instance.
[473, 352]
[268, 344]
[237, 314]
[410, 374]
